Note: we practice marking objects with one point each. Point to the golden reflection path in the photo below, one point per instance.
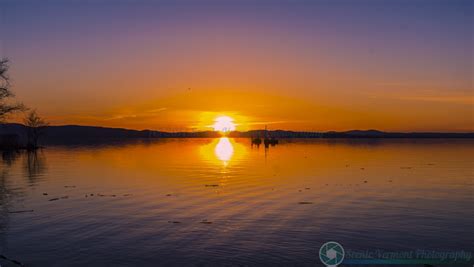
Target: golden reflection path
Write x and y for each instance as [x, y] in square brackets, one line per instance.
[224, 150]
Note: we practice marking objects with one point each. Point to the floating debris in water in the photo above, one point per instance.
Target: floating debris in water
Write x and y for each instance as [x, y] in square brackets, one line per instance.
[54, 199]
[21, 211]
[211, 185]
[308, 188]
[102, 195]
[365, 182]
[174, 222]
[168, 195]
[304, 202]
[390, 181]
[205, 222]
[45, 194]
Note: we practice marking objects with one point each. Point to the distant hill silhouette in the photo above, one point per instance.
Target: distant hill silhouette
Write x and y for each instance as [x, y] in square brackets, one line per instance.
[351, 134]
[76, 133]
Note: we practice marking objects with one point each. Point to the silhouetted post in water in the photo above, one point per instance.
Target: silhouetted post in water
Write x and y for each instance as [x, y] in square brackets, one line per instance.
[34, 127]
[256, 141]
[269, 140]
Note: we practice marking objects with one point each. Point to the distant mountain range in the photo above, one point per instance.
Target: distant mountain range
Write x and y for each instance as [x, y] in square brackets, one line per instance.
[71, 133]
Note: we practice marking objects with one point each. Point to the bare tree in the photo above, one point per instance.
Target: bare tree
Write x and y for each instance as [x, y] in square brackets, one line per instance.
[5, 92]
[35, 127]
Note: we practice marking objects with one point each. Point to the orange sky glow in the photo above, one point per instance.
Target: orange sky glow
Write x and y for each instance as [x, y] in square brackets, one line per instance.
[300, 67]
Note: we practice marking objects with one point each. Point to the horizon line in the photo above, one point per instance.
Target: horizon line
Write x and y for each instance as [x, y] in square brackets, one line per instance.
[237, 131]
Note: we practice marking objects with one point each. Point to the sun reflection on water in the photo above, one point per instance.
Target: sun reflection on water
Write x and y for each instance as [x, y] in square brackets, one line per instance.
[224, 150]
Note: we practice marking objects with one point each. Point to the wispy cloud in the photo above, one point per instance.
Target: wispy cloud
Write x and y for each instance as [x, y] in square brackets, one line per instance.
[120, 117]
[444, 99]
[273, 122]
[156, 110]
[143, 114]
[456, 98]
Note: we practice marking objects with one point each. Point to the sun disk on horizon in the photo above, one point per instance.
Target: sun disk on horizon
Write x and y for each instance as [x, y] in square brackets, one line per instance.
[224, 124]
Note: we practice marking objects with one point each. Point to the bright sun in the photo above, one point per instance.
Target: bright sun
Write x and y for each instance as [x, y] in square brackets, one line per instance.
[224, 124]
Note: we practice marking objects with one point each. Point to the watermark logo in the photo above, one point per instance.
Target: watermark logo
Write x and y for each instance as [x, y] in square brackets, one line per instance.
[331, 254]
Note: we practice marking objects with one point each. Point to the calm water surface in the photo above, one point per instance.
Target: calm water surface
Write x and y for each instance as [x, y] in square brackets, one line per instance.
[222, 202]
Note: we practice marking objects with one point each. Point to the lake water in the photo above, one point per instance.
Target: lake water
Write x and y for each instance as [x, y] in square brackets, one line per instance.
[185, 202]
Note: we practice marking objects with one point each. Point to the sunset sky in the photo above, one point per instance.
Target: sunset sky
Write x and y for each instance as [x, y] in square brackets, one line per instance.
[297, 65]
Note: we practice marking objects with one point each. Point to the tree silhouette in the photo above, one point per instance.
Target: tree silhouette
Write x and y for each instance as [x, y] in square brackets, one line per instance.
[5, 92]
[34, 126]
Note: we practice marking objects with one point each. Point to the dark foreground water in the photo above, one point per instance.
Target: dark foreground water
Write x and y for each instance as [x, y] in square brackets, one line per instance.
[221, 202]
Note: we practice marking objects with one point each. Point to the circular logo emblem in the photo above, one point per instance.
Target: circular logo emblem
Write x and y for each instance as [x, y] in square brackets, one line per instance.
[331, 253]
